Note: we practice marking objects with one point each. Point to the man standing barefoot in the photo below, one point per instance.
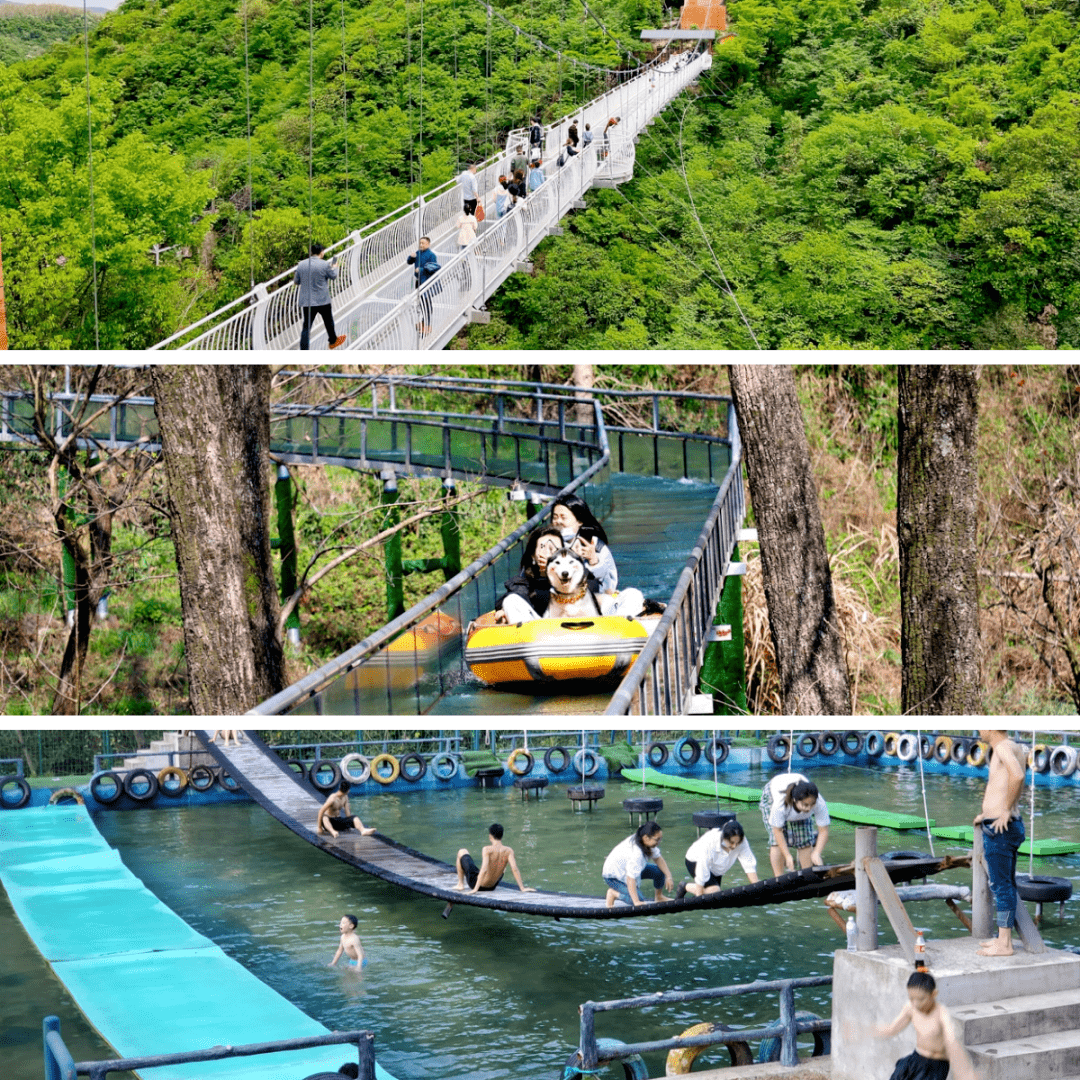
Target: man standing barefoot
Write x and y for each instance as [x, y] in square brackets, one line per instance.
[1003, 833]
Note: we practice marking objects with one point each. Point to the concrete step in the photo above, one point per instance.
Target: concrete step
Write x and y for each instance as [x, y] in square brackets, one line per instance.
[1018, 1017]
[1052, 1056]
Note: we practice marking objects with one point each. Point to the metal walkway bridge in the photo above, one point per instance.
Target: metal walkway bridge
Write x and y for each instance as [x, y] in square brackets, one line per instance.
[672, 501]
[375, 302]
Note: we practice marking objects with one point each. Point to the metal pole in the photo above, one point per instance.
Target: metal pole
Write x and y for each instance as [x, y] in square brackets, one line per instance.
[789, 1052]
[865, 898]
[451, 533]
[395, 574]
[367, 1057]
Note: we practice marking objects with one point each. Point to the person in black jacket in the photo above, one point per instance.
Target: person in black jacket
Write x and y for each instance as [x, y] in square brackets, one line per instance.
[531, 584]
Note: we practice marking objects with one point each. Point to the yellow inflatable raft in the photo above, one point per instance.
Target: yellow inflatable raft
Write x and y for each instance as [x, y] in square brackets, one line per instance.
[547, 650]
[408, 657]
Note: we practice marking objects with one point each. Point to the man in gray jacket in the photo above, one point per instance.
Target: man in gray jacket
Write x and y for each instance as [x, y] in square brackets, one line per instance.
[313, 277]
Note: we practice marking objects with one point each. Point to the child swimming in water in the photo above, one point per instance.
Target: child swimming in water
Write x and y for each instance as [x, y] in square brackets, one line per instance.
[350, 944]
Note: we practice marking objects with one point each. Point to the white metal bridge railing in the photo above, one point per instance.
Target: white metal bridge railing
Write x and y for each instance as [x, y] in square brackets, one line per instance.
[375, 302]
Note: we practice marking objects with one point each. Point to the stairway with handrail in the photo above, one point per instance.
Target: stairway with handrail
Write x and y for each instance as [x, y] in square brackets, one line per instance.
[376, 304]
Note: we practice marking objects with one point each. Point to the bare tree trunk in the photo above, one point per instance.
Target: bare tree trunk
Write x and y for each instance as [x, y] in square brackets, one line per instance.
[215, 434]
[937, 492]
[584, 379]
[794, 559]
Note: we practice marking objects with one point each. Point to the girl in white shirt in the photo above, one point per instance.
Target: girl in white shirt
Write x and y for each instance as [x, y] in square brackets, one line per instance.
[712, 855]
[636, 857]
[791, 808]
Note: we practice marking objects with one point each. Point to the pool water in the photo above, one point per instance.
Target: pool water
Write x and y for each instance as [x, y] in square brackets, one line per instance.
[488, 994]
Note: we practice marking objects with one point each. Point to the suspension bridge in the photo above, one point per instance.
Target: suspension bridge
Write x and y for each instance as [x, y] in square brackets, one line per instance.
[376, 304]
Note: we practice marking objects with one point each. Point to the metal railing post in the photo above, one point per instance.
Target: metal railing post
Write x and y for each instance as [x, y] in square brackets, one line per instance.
[367, 1057]
[587, 1047]
[789, 1053]
[59, 1064]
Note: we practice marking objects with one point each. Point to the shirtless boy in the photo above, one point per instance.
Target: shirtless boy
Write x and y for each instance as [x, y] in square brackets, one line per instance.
[1002, 833]
[496, 857]
[335, 814]
[936, 1043]
[349, 944]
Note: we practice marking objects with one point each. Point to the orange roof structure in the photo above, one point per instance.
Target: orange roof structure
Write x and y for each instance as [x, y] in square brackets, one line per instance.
[703, 15]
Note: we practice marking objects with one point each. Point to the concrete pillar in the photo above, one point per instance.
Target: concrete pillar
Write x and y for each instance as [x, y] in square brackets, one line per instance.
[865, 898]
[983, 916]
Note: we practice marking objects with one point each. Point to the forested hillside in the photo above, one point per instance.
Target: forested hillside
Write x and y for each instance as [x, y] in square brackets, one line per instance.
[877, 174]
[27, 30]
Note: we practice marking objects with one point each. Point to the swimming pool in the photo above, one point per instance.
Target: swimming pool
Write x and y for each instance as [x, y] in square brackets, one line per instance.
[492, 995]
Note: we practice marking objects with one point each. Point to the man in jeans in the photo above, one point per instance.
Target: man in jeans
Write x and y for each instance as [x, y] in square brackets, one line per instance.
[469, 195]
[1003, 833]
[313, 275]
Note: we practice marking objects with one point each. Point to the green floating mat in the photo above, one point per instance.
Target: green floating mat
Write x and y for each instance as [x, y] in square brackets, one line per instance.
[1039, 847]
[858, 815]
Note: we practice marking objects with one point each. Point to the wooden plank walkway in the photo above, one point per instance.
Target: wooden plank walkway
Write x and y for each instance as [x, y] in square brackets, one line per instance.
[263, 775]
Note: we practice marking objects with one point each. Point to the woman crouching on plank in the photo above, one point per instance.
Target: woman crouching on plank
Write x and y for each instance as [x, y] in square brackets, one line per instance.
[712, 855]
[636, 857]
[793, 812]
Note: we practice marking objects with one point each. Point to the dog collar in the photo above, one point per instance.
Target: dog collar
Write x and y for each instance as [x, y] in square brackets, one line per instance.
[572, 599]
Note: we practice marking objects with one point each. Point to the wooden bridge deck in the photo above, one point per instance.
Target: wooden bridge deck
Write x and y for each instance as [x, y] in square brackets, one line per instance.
[275, 787]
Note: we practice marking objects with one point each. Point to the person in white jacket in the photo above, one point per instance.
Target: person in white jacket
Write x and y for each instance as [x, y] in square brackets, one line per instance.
[711, 856]
[466, 226]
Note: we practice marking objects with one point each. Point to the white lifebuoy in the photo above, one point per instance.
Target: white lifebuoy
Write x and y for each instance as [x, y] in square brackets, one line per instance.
[907, 747]
[359, 759]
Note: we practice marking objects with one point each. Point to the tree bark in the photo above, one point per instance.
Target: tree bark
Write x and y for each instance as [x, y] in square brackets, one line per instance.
[937, 492]
[215, 436]
[584, 379]
[795, 562]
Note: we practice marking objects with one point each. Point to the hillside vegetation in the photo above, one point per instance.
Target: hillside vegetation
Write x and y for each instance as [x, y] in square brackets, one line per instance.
[27, 30]
[864, 173]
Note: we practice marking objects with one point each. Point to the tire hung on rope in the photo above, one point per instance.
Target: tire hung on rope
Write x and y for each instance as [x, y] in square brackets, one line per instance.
[875, 744]
[108, 796]
[137, 793]
[1039, 758]
[656, 755]
[978, 753]
[550, 755]
[959, 752]
[681, 1061]
[376, 770]
[852, 742]
[64, 794]
[926, 746]
[907, 747]
[890, 743]
[413, 767]
[444, 766]
[687, 751]
[355, 759]
[717, 750]
[228, 781]
[200, 777]
[586, 761]
[943, 745]
[778, 748]
[1063, 760]
[828, 743]
[21, 786]
[172, 772]
[512, 762]
[808, 745]
[298, 768]
[320, 767]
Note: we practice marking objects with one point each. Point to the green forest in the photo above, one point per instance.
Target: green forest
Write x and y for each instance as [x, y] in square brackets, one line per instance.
[880, 174]
[27, 30]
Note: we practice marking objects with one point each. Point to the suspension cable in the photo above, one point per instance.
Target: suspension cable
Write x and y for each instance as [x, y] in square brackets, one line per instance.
[420, 137]
[251, 188]
[90, 156]
[311, 124]
[345, 115]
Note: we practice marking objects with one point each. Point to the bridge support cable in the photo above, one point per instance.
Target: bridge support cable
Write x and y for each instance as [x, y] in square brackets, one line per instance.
[374, 297]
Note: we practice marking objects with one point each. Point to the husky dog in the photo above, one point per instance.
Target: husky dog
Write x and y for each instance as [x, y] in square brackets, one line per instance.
[568, 576]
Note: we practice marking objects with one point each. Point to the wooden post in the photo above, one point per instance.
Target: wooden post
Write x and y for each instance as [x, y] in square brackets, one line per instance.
[893, 905]
[865, 900]
[983, 924]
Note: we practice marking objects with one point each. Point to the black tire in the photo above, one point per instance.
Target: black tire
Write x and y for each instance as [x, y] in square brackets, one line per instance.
[889, 856]
[140, 796]
[713, 819]
[717, 750]
[959, 753]
[852, 743]
[324, 785]
[875, 744]
[926, 746]
[687, 752]
[297, 768]
[228, 781]
[201, 777]
[1043, 889]
[828, 743]
[549, 759]
[24, 792]
[117, 789]
[777, 748]
[421, 767]
[808, 745]
[643, 804]
[769, 1049]
[656, 755]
